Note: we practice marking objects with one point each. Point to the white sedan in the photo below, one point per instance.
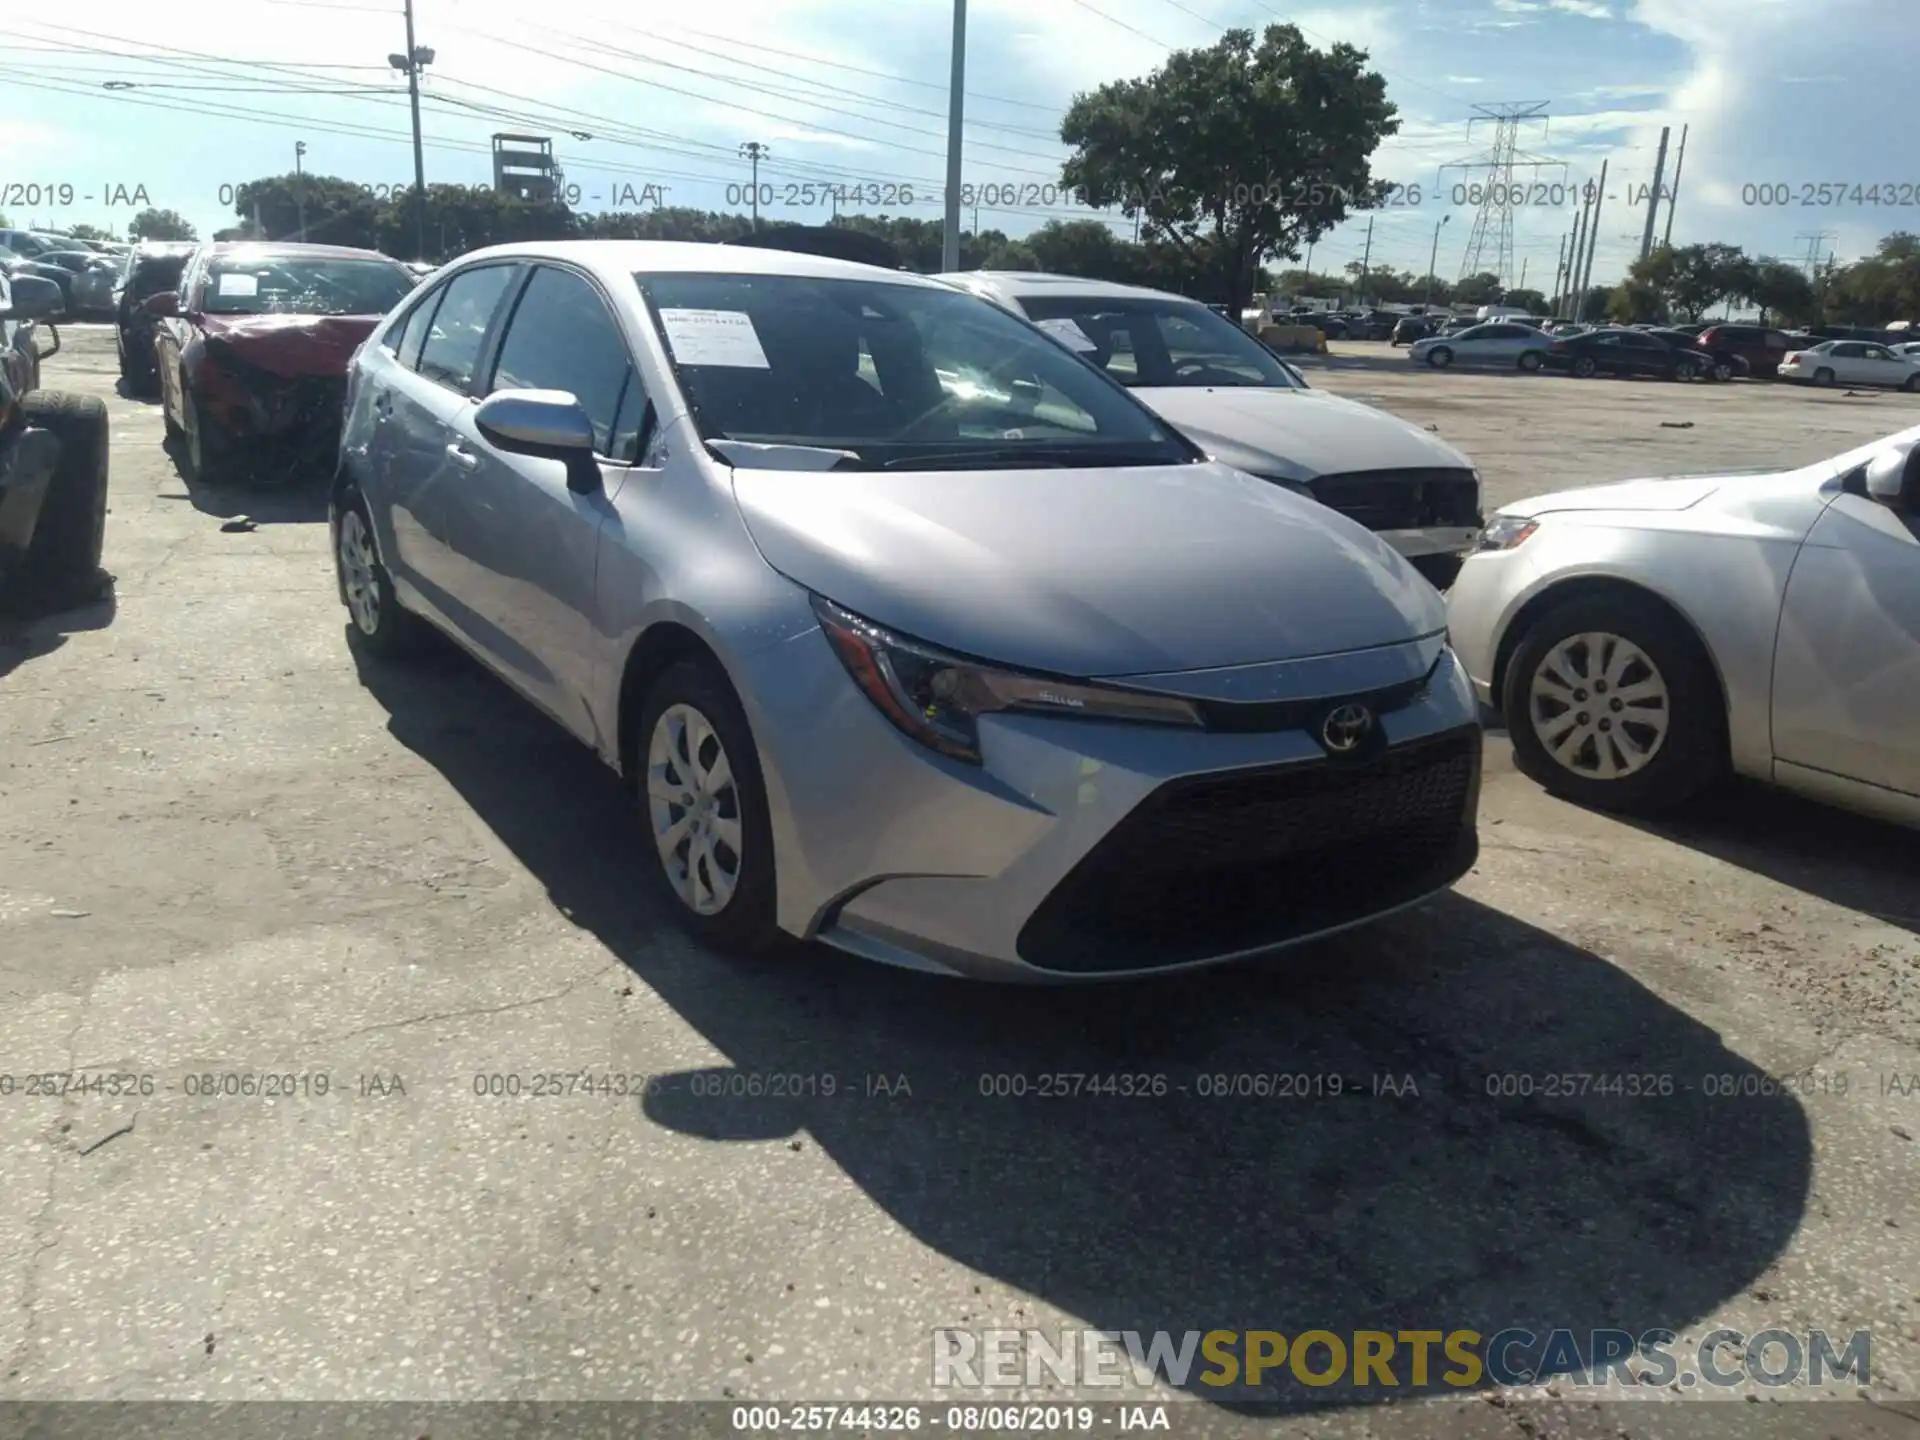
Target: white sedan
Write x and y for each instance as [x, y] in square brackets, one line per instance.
[1852, 362]
[1642, 639]
[1500, 343]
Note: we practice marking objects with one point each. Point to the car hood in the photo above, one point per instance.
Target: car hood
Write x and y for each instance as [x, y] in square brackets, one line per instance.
[1088, 572]
[1662, 494]
[1297, 434]
[292, 345]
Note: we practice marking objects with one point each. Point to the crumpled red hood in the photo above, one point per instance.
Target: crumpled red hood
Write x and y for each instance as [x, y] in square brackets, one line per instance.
[293, 345]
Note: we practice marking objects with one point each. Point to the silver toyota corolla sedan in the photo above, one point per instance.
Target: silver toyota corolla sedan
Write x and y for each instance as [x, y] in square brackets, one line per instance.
[913, 632]
[1644, 638]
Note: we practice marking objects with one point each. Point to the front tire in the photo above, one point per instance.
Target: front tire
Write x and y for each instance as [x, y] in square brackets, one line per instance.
[705, 808]
[1584, 367]
[1912, 387]
[1612, 703]
[209, 448]
[379, 626]
[1685, 370]
[1531, 361]
[1440, 357]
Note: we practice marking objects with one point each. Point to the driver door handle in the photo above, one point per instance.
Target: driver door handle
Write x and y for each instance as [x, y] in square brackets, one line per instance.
[463, 457]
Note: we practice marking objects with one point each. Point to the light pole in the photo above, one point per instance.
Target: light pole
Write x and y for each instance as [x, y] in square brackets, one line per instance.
[1433, 256]
[300, 187]
[417, 58]
[753, 150]
[956, 113]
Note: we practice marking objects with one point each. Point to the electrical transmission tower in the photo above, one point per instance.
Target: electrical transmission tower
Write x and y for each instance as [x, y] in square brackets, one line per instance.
[1817, 240]
[1490, 245]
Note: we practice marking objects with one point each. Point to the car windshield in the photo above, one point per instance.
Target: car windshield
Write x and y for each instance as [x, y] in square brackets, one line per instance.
[303, 285]
[1148, 342]
[151, 276]
[900, 376]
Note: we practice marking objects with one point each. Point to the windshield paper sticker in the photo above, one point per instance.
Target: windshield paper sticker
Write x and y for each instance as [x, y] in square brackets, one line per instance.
[239, 285]
[1068, 333]
[714, 337]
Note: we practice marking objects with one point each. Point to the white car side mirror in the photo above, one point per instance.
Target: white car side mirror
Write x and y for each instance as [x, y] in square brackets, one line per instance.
[1893, 478]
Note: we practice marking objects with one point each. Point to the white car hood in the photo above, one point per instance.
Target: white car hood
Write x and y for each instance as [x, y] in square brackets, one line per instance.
[1667, 494]
[1296, 434]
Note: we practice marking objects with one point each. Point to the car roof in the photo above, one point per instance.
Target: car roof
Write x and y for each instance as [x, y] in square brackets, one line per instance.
[290, 250]
[616, 260]
[1036, 284]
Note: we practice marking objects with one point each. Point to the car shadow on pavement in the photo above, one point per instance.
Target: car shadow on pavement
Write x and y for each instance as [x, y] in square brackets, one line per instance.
[1452, 1119]
[23, 639]
[1849, 860]
[299, 498]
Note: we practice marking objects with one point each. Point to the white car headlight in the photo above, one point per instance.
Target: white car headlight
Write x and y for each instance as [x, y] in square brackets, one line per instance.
[1506, 532]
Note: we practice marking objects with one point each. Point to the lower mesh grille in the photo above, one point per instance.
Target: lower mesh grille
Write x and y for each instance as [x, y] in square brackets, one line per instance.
[1224, 863]
[1402, 499]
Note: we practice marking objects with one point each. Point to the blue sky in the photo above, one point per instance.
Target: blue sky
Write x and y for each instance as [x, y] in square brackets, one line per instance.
[1778, 93]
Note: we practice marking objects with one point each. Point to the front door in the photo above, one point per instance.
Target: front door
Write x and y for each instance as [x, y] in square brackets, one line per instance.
[1847, 670]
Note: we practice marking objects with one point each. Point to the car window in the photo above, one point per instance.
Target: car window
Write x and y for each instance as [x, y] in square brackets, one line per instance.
[1848, 350]
[955, 382]
[560, 337]
[249, 282]
[1874, 352]
[451, 345]
[1154, 342]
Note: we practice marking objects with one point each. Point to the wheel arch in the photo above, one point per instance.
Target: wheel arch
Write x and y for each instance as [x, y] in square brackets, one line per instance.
[1584, 587]
[661, 645]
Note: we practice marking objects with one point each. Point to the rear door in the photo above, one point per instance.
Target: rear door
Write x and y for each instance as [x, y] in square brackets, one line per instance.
[528, 542]
[1848, 362]
[1881, 366]
[435, 380]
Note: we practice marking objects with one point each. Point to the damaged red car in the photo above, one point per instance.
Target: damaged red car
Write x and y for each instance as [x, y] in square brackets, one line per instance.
[252, 351]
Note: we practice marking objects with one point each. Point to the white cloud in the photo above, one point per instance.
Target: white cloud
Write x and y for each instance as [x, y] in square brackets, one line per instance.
[1465, 80]
[1586, 9]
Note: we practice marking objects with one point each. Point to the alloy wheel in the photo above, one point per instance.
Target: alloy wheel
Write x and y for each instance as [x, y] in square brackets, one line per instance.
[1599, 706]
[357, 574]
[693, 801]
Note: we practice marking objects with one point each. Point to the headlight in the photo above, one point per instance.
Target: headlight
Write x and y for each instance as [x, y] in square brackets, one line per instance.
[937, 698]
[1506, 532]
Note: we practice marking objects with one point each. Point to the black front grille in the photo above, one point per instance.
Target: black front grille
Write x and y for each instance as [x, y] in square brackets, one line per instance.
[1219, 864]
[1402, 499]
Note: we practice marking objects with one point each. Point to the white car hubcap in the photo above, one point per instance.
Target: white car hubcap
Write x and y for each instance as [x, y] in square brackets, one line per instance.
[1599, 706]
[357, 573]
[694, 804]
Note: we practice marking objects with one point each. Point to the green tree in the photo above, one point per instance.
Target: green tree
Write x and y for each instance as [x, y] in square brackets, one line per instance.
[1636, 302]
[1235, 152]
[153, 224]
[1884, 286]
[1481, 289]
[1532, 300]
[1593, 307]
[1784, 294]
[1693, 279]
[84, 231]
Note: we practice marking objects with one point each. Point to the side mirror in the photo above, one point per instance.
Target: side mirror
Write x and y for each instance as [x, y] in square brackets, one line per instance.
[547, 424]
[1893, 478]
[34, 299]
[164, 306]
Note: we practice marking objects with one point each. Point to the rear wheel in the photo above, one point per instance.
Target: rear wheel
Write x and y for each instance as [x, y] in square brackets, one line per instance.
[1722, 370]
[1685, 370]
[380, 626]
[1912, 387]
[706, 809]
[1823, 376]
[1612, 703]
[1584, 366]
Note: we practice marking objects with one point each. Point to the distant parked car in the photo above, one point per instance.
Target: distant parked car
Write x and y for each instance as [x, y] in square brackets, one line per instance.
[1762, 348]
[252, 349]
[1852, 362]
[1623, 352]
[85, 279]
[1501, 343]
[1411, 328]
[154, 266]
[1911, 349]
[1717, 367]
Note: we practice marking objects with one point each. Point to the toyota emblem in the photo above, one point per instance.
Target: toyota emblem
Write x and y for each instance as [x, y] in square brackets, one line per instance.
[1345, 728]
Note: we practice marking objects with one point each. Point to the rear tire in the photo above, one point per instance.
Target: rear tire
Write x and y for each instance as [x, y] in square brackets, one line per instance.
[712, 837]
[377, 623]
[61, 569]
[1823, 376]
[1685, 370]
[1680, 738]
[1912, 387]
[1584, 367]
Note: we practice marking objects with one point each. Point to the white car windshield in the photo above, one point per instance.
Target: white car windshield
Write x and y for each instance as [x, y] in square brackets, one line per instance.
[1148, 342]
[899, 376]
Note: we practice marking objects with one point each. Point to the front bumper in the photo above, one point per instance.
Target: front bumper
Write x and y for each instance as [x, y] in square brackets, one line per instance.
[299, 416]
[1084, 850]
[1435, 540]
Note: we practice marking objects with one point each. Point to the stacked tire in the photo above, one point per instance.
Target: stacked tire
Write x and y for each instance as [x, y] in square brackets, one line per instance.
[61, 567]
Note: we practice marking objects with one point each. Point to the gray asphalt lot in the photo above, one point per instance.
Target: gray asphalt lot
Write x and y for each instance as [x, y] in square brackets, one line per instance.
[227, 852]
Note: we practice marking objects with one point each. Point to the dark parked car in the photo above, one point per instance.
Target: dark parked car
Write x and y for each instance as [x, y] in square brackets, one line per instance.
[62, 267]
[1625, 352]
[155, 266]
[252, 349]
[1410, 328]
[1761, 347]
[1718, 367]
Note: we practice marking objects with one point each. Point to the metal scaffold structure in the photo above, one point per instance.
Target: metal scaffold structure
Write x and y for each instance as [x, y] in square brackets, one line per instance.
[1490, 244]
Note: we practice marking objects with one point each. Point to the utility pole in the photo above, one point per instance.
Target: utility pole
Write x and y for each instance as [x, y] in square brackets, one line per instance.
[1310, 245]
[1673, 195]
[1366, 262]
[1653, 198]
[1593, 237]
[753, 150]
[417, 58]
[1433, 256]
[956, 120]
[1559, 296]
[300, 187]
[1523, 274]
[1578, 249]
